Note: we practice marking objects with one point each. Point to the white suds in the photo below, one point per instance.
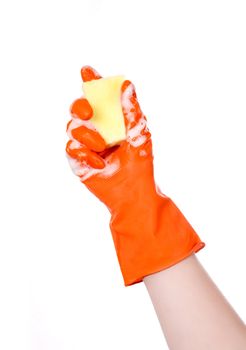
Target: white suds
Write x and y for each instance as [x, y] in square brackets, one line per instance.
[135, 135]
[78, 168]
[126, 102]
[138, 141]
[136, 130]
[142, 153]
[76, 122]
[110, 168]
[84, 171]
[75, 144]
[107, 171]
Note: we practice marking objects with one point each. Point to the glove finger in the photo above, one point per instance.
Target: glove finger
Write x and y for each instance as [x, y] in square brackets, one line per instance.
[85, 132]
[81, 109]
[136, 123]
[83, 154]
[78, 168]
[91, 138]
[130, 106]
[88, 73]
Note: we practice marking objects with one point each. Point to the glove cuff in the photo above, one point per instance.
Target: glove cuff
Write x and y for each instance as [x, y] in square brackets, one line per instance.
[151, 238]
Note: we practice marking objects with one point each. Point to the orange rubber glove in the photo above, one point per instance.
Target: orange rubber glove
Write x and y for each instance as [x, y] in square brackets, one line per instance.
[149, 232]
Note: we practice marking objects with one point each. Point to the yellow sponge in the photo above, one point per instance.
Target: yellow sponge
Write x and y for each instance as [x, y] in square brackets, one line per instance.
[104, 96]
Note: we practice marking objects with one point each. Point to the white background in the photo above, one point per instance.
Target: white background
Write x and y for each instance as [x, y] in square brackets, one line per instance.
[60, 284]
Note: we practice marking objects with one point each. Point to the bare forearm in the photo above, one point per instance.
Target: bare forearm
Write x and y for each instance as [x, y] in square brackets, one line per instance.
[192, 311]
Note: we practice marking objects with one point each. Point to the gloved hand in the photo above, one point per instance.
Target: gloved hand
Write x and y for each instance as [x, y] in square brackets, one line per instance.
[149, 231]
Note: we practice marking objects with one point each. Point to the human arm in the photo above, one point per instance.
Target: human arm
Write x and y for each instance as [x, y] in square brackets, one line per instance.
[193, 313]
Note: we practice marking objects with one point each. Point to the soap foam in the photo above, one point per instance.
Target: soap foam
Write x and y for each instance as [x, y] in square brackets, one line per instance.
[110, 168]
[138, 128]
[142, 153]
[127, 104]
[84, 171]
[77, 122]
[79, 168]
[75, 144]
[136, 134]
